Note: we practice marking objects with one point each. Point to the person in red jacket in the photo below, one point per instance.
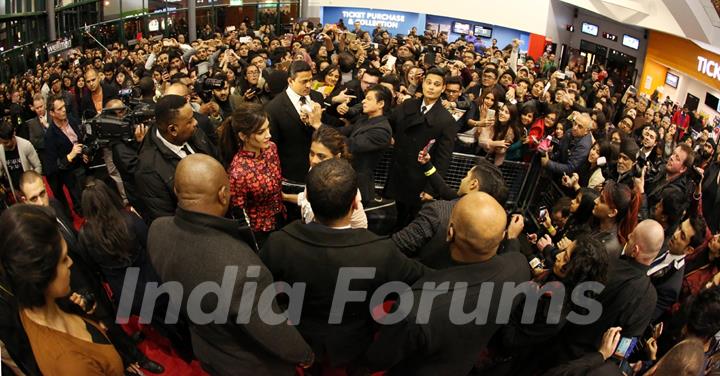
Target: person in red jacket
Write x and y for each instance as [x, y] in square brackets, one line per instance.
[682, 119]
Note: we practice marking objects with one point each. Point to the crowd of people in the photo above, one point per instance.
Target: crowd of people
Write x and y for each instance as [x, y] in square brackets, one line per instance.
[261, 153]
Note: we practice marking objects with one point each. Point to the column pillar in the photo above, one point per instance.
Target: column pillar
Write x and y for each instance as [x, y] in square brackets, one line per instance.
[192, 21]
[50, 8]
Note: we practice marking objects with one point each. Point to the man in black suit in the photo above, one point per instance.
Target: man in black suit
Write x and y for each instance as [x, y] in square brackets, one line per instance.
[668, 269]
[290, 124]
[173, 138]
[240, 342]
[416, 122]
[63, 159]
[315, 253]
[37, 126]
[432, 339]
[56, 89]
[425, 238]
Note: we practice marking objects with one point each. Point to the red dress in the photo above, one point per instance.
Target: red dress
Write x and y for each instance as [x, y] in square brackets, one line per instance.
[256, 186]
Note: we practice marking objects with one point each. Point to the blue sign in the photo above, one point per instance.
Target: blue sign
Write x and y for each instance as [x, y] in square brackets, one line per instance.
[392, 21]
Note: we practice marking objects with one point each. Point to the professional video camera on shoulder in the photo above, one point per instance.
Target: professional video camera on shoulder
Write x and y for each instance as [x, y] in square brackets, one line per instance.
[116, 123]
[204, 85]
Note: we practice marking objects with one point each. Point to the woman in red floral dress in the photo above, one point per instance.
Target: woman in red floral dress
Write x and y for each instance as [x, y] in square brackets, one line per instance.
[254, 169]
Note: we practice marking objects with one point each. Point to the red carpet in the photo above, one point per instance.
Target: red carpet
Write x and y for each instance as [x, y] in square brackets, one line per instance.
[158, 348]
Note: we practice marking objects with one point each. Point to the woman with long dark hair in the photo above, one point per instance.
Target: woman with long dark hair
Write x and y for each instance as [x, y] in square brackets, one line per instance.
[116, 239]
[479, 125]
[502, 134]
[528, 114]
[514, 347]
[254, 169]
[34, 262]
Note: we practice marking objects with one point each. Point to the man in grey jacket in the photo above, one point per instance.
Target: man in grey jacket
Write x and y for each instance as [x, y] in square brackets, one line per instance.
[17, 155]
[199, 248]
[573, 150]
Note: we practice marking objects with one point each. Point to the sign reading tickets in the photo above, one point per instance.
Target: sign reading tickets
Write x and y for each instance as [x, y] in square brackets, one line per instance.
[58, 46]
[685, 56]
[392, 21]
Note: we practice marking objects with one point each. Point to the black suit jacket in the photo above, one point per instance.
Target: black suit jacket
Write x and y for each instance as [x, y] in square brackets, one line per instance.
[412, 131]
[314, 254]
[291, 135]
[57, 147]
[668, 283]
[425, 238]
[194, 248]
[439, 346]
[36, 133]
[367, 139]
[155, 174]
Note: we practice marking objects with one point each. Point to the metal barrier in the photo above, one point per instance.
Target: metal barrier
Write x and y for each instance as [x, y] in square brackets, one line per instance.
[514, 173]
[541, 190]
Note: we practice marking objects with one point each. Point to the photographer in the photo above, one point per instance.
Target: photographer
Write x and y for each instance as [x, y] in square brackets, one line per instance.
[64, 160]
[120, 155]
[676, 174]
[220, 95]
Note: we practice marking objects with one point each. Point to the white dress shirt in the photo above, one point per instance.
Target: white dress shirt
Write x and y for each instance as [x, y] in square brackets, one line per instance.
[174, 148]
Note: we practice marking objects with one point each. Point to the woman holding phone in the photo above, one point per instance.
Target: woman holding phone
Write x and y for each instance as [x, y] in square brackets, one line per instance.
[481, 126]
[496, 139]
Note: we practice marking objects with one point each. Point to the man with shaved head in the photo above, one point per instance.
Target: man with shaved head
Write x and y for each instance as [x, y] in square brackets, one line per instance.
[628, 299]
[196, 248]
[171, 139]
[433, 339]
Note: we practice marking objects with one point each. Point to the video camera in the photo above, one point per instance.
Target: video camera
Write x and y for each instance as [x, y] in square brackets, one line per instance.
[205, 85]
[108, 127]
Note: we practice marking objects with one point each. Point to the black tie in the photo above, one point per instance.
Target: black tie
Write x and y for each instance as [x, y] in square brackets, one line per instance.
[186, 149]
[658, 260]
[303, 101]
[423, 109]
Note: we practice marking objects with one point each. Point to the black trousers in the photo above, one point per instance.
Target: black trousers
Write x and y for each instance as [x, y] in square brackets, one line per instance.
[73, 180]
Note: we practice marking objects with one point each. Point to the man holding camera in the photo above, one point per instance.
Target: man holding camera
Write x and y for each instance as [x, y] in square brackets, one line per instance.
[677, 174]
[64, 159]
[573, 150]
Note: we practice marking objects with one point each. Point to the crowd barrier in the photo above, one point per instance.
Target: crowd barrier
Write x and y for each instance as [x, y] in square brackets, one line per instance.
[515, 175]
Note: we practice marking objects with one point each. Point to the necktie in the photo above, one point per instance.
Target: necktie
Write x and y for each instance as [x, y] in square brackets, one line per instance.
[658, 260]
[423, 109]
[186, 149]
[303, 101]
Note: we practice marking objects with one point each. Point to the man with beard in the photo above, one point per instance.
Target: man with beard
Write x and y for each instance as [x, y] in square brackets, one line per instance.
[706, 152]
[221, 95]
